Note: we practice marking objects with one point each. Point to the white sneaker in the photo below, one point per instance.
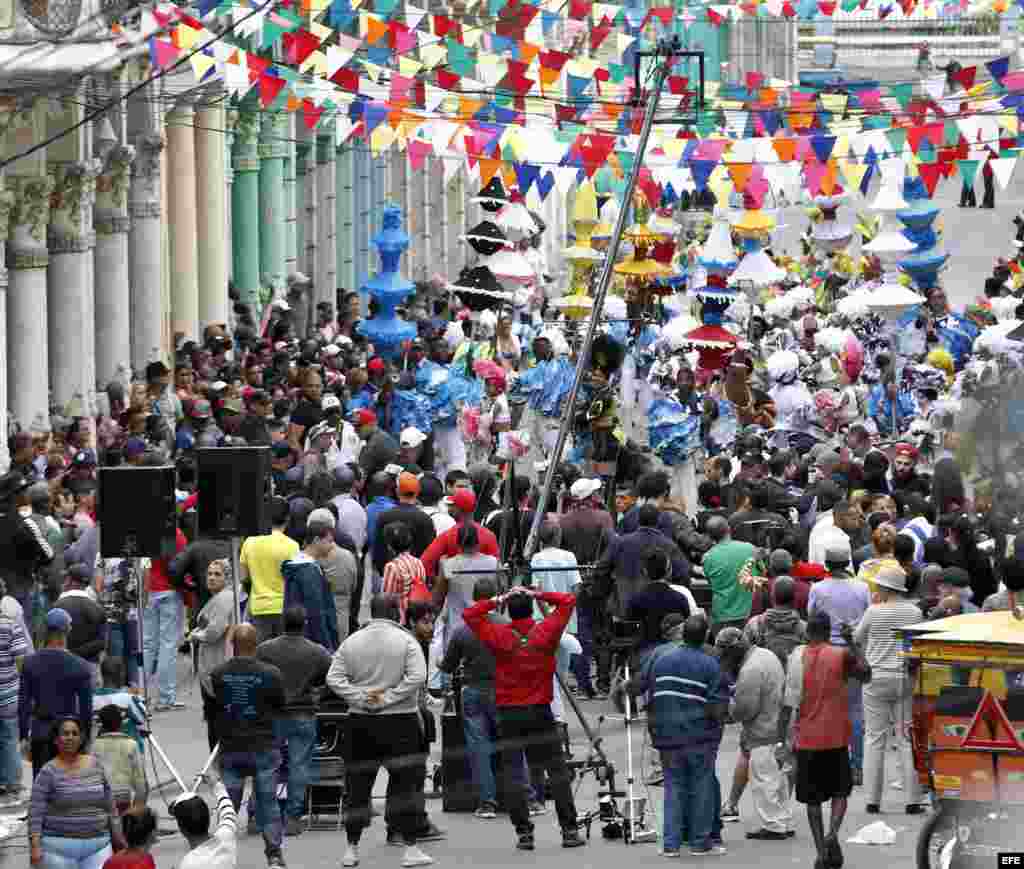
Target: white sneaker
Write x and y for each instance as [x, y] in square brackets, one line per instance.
[351, 857]
[415, 857]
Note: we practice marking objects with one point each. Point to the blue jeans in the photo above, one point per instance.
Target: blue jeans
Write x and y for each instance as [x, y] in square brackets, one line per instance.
[123, 642]
[162, 623]
[480, 727]
[10, 757]
[689, 796]
[580, 664]
[236, 766]
[300, 735]
[61, 853]
[857, 722]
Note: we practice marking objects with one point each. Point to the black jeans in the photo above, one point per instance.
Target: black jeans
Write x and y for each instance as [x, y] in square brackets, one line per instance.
[210, 715]
[417, 799]
[394, 742]
[42, 753]
[533, 729]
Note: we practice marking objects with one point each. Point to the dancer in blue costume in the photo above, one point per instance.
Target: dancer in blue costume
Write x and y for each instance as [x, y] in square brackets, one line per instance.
[545, 385]
[674, 420]
[433, 379]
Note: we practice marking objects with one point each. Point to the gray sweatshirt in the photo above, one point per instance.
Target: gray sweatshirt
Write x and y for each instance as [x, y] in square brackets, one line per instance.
[214, 620]
[381, 656]
[759, 689]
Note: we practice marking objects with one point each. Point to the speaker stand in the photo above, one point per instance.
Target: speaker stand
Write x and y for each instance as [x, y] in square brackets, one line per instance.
[236, 546]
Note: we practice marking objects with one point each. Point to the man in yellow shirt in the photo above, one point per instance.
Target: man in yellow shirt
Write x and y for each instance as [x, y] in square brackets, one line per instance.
[260, 560]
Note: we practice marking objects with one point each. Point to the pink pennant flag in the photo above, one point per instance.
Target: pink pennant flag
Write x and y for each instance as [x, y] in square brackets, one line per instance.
[418, 152]
[814, 173]
[162, 53]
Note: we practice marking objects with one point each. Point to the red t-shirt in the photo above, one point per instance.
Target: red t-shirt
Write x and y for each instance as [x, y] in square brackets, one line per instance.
[130, 860]
[159, 580]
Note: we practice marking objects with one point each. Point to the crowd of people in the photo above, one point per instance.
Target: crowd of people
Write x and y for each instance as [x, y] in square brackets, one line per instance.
[756, 532]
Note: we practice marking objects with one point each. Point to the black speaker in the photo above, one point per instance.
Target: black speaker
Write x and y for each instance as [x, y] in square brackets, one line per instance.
[137, 512]
[232, 486]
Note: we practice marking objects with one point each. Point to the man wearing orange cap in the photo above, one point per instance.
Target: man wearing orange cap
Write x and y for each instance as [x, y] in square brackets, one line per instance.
[463, 503]
[408, 511]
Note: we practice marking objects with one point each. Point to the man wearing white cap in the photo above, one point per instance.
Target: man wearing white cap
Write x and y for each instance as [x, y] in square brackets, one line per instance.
[411, 447]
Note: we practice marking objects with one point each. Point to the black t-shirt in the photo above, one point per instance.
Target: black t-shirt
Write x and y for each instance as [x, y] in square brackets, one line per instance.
[307, 414]
[651, 605]
[478, 664]
[249, 693]
[255, 431]
[419, 523]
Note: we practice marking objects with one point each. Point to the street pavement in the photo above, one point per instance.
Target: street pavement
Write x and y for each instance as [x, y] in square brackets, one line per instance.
[470, 841]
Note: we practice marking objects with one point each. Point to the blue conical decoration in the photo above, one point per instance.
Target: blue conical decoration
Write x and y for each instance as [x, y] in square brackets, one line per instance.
[923, 264]
[387, 331]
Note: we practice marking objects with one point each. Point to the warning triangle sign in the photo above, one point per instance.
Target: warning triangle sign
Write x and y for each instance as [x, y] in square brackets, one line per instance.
[990, 728]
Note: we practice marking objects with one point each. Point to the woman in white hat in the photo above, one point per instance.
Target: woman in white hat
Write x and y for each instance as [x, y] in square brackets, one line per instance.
[887, 697]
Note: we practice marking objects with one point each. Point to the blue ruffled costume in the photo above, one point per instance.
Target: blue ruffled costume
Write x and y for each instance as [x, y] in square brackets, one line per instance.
[410, 407]
[433, 381]
[545, 386]
[673, 431]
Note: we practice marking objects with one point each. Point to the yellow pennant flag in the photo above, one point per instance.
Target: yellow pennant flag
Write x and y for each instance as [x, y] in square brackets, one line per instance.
[853, 172]
[201, 64]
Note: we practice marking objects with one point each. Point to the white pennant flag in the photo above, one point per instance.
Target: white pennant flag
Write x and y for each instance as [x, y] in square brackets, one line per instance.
[934, 86]
[565, 177]
[1002, 168]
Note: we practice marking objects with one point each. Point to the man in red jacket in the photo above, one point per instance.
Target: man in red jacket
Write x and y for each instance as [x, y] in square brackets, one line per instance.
[524, 653]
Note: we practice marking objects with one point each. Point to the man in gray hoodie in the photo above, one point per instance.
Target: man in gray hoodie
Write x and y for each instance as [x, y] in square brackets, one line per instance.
[760, 683]
[379, 671]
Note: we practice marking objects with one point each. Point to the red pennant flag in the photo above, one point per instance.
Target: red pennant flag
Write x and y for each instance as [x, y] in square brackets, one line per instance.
[936, 133]
[915, 136]
[788, 10]
[443, 26]
[311, 114]
[257, 66]
[827, 7]
[347, 79]
[299, 45]
[714, 17]
[966, 77]
[754, 80]
[598, 34]
[930, 174]
[515, 80]
[677, 84]
[447, 80]
[580, 9]
[554, 60]
[565, 114]
[270, 87]
[662, 13]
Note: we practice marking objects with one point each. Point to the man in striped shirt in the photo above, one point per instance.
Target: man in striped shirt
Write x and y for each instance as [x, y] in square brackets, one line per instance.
[14, 645]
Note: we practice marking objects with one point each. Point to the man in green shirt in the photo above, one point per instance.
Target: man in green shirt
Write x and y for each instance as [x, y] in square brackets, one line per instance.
[730, 601]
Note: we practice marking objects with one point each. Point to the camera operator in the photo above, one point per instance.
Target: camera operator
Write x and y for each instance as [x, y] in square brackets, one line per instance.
[524, 652]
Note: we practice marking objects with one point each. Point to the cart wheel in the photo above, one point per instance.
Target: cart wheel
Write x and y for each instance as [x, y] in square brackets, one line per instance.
[935, 834]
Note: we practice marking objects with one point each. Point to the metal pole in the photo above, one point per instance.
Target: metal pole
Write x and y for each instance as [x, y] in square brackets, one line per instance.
[582, 361]
[206, 767]
[235, 568]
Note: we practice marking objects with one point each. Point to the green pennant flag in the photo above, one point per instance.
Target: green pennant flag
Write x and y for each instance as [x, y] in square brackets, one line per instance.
[902, 93]
[617, 72]
[950, 134]
[384, 8]
[626, 161]
[897, 137]
[849, 5]
[706, 124]
[1009, 152]
[460, 61]
[968, 171]
[877, 122]
[271, 33]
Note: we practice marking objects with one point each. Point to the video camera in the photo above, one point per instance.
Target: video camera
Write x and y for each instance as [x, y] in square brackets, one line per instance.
[624, 633]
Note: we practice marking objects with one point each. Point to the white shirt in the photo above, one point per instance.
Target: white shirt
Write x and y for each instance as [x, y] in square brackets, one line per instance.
[825, 535]
[442, 521]
[351, 518]
[220, 851]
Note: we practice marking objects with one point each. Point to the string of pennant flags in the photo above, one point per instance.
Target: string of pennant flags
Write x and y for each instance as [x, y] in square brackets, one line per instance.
[496, 99]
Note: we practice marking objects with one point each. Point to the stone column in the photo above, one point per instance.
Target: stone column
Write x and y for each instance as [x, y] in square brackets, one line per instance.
[245, 209]
[69, 301]
[231, 120]
[291, 248]
[363, 207]
[27, 257]
[113, 282]
[306, 154]
[326, 276]
[182, 221]
[271, 184]
[301, 206]
[144, 252]
[6, 204]
[211, 201]
[347, 276]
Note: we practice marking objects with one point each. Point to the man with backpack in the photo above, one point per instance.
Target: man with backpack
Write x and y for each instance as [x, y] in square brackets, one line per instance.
[779, 629]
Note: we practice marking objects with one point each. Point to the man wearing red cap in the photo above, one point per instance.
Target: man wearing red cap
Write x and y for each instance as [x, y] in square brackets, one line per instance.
[905, 477]
[463, 503]
[379, 448]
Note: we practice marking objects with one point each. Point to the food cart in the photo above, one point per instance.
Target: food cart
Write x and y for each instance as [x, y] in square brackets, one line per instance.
[967, 734]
